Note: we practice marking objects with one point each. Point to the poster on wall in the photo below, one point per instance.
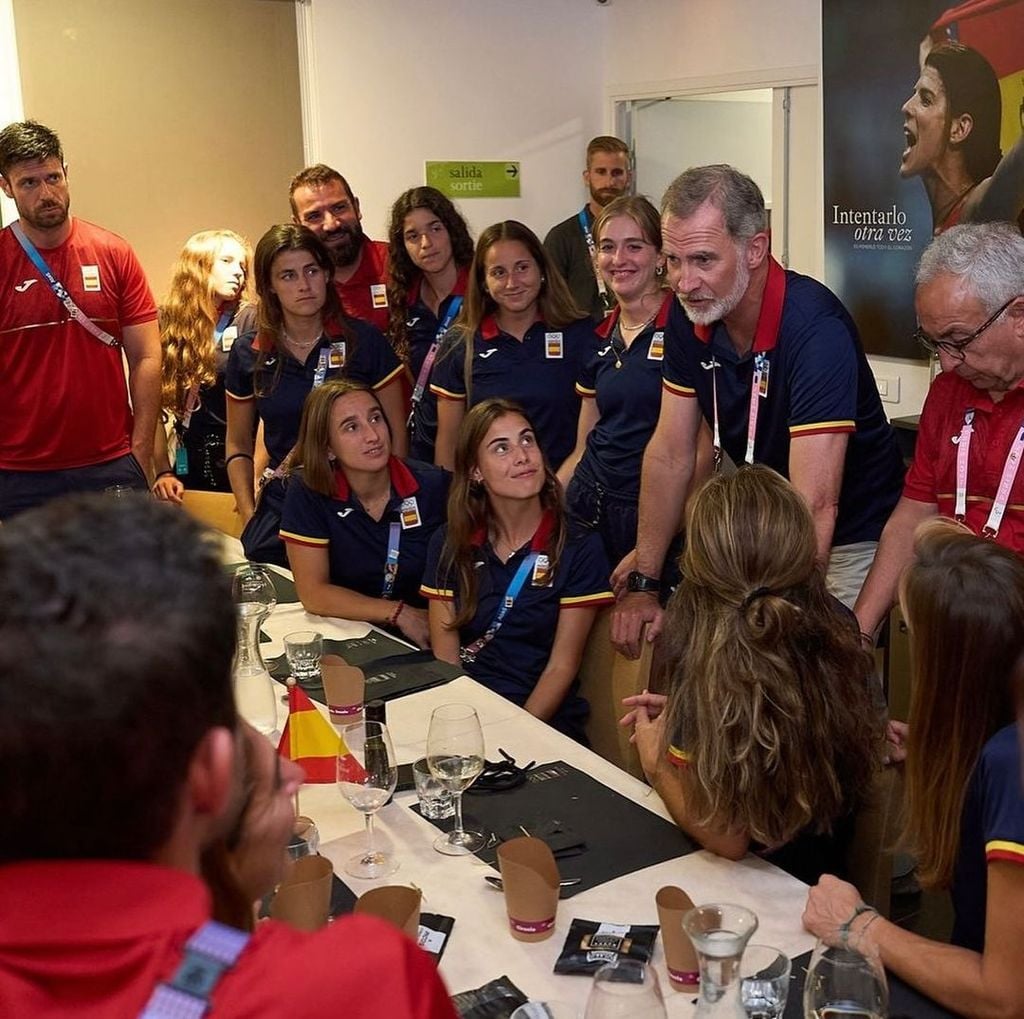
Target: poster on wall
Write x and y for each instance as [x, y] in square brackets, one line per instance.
[923, 126]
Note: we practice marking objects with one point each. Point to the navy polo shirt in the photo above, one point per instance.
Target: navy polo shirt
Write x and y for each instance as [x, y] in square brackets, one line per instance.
[513, 661]
[818, 381]
[627, 386]
[422, 326]
[279, 401]
[539, 373]
[991, 831]
[356, 544]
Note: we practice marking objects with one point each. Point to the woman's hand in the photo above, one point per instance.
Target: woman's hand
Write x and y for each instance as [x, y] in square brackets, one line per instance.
[896, 741]
[830, 904]
[653, 703]
[648, 732]
[169, 488]
[413, 624]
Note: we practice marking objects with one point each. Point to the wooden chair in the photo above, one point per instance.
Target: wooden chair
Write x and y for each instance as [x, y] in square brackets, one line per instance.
[215, 509]
[605, 678]
[876, 828]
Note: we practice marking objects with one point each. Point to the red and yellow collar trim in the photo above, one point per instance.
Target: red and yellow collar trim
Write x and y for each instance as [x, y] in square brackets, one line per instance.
[539, 541]
[403, 481]
[490, 330]
[607, 324]
[459, 290]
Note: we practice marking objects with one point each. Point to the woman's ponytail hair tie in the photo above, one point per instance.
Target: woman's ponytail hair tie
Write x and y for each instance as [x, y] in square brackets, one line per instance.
[758, 592]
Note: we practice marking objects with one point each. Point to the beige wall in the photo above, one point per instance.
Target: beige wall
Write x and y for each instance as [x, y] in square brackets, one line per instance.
[175, 115]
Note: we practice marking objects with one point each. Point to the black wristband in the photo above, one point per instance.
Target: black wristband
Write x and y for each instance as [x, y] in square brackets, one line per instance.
[235, 456]
[640, 582]
[162, 474]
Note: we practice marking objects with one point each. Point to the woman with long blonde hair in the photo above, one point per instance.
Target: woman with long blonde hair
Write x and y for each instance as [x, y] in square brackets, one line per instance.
[963, 599]
[768, 736]
[209, 284]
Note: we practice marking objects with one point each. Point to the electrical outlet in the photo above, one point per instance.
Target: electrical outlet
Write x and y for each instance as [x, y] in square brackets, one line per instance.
[888, 388]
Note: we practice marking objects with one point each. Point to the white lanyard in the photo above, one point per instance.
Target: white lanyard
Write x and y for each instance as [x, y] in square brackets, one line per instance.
[592, 249]
[1006, 480]
[758, 390]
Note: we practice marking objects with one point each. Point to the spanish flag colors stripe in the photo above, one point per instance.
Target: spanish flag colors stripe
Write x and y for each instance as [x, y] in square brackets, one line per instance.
[587, 601]
[1000, 850]
[677, 390]
[819, 427]
[677, 757]
[301, 539]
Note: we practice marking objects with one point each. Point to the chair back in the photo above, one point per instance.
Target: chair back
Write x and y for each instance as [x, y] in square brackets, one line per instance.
[215, 509]
[876, 827]
[605, 678]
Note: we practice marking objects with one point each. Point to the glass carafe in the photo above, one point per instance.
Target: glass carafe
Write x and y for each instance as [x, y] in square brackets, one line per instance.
[255, 691]
[719, 933]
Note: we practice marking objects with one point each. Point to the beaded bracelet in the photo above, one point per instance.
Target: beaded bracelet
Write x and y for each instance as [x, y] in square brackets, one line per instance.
[393, 620]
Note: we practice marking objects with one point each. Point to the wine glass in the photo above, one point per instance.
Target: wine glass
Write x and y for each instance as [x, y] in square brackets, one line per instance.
[255, 598]
[367, 775]
[625, 989]
[843, 983]
[455, 756]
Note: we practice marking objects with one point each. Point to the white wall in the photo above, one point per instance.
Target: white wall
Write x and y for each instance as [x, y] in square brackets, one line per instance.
[401, 81]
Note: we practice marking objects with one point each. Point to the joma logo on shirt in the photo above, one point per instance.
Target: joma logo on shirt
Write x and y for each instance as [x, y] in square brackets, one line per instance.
[344, 513]
[22, 287]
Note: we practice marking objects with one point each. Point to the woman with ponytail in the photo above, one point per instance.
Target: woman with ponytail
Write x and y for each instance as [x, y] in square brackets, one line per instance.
[768, 736]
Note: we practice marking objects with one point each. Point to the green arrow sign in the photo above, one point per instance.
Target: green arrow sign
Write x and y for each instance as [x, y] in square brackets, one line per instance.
[466, 179]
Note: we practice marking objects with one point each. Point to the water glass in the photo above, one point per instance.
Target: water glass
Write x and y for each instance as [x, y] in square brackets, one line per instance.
[303, 649]
[764, 982]
[845, 984]
[625, 989]
[455, 753]
[436, 802]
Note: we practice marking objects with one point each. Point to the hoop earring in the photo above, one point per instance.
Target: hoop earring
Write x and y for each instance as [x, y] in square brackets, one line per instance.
[659, 271]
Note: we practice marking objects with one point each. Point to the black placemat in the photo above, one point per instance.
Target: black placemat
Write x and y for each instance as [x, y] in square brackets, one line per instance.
[904, 1001]
[620, 836]
[392, 669]
[283, 587]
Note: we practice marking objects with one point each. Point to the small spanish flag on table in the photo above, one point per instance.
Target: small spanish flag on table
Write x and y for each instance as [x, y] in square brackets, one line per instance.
[309, 739]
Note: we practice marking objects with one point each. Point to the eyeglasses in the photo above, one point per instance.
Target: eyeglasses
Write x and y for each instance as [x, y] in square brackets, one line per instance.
[955, 348]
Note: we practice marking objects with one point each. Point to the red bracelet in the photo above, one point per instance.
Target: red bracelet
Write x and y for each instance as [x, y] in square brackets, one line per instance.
[393, 620]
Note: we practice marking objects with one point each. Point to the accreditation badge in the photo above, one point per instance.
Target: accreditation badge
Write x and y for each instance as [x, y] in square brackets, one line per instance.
[553, 346]
[409, 513]
[228, 337]
[379, 295]
[761, 366]
[541, 572]
[91, 278]
[657, 349]
[336, 358]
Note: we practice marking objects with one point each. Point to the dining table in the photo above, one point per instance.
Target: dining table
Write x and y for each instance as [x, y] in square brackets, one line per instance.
[480, 947]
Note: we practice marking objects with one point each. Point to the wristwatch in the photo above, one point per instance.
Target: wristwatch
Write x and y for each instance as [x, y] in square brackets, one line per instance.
[637, 581]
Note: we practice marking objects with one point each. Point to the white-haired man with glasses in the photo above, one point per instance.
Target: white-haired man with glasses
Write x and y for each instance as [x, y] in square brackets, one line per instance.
[970, 443]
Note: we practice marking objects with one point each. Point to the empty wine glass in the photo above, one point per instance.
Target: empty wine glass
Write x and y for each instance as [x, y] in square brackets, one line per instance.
[625, 989]
[255, 598]
[367, 775]
[455, 756]
[843, 983]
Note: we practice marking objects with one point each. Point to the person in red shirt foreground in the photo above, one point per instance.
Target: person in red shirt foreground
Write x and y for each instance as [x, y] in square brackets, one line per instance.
[122, 755]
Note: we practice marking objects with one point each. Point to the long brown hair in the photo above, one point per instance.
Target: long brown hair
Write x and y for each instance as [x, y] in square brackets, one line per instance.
[313, 443]
[964, 601]
[771, 688]
[402, 272]
[469, 508]
[556, 304]
[188, 317]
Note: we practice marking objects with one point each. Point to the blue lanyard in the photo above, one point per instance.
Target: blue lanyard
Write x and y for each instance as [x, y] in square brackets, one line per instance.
[588, 237]
[468, 654]
[391, 565]
[428, 361]
[59, 290]
[223, 322]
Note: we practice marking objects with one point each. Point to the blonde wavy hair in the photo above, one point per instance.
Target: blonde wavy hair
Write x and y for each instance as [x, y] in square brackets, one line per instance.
[770, 688]
[188, 316]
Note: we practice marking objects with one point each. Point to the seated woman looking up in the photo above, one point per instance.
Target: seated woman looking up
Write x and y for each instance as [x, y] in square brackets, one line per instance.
[519, 336]
[513, 588]
[768, 737]
[357, 520]
[963, 599]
